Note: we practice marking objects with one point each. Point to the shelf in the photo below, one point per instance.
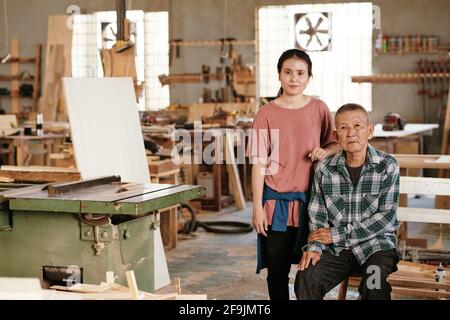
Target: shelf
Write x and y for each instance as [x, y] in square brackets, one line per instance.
[15, 96]
[399, 77]
[21, 60]
[16, 77]
[11, 78]
[439, 50]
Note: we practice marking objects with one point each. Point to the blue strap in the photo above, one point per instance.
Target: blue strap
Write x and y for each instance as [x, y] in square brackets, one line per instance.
[279, 223]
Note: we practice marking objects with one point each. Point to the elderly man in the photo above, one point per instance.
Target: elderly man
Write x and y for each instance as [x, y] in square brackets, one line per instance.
[352, 212]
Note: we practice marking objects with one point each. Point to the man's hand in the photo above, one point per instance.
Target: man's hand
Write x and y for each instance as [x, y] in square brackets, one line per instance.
[322, 235]
[308, 256]
[259, 220]
[318, 154]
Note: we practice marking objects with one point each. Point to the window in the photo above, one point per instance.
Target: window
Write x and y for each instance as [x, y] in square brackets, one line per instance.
[151, 38]
[349, 52]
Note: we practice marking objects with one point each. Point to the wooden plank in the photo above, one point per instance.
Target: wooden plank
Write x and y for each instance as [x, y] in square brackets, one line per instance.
[52, 85]
[168, 226]
[421, 268]
[67, 187]
[440, 201]
[445, 141]
[426, 186]
[417, 283]
[38, 169]
[15, 71]
[37, 77]
[39, 176]
[105, 128]
[161, 166]
[424, 293]
[233, 173]
[57, 65]
[423, 215]
[59, 33]
[414, 161]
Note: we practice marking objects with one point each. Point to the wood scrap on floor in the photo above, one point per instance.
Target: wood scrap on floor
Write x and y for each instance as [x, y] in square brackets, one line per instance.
[113, 291]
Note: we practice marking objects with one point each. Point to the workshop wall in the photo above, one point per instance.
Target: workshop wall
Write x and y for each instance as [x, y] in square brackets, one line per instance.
[204, 20]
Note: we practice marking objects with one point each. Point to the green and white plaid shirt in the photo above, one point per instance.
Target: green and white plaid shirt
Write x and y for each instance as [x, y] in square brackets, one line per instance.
[362, 218]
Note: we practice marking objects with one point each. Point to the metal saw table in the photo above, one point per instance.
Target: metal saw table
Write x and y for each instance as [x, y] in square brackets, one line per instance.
[77, 231]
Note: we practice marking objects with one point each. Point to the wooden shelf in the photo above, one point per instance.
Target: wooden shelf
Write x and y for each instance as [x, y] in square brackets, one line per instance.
[439, 50]
[15, 96]
[18, 78]
[21, 60]
[400, 77]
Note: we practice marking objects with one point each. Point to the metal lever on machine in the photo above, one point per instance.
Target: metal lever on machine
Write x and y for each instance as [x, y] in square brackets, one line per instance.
[61, 188]
[98, 245]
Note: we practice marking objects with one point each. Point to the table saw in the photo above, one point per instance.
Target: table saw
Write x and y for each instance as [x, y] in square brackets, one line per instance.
[63, 233]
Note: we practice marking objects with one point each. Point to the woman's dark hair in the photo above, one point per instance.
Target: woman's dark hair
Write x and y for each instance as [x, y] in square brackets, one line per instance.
[291, 53]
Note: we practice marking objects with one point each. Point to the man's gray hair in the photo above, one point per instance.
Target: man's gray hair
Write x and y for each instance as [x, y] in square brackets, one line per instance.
[352, 107]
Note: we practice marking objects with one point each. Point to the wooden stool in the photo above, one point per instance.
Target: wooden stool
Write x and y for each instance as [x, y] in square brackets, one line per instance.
[344, 285]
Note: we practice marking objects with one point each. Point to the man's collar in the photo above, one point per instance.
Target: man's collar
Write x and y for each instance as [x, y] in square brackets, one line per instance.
[372, 158]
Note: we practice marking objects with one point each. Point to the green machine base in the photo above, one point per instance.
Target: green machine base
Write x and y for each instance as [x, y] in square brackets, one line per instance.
[75, 232]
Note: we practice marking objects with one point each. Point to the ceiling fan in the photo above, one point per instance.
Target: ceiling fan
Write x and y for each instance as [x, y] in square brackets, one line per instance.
[313, 31]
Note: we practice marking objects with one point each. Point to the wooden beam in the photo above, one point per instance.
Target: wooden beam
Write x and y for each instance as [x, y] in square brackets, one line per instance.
[233, 173]
[15, 70]
[424, 293]
[423, 161]
[417, 283]
[39, 176]
[423, 215]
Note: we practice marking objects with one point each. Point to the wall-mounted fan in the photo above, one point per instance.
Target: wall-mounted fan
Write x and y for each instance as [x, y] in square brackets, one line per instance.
[313, 31]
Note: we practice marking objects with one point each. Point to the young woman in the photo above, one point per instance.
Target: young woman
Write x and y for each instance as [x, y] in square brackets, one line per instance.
[289, 134]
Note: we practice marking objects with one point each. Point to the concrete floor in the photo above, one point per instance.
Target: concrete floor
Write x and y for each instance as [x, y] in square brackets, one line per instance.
[223, 266]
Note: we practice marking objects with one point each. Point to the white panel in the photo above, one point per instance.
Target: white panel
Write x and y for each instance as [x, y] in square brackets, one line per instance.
[105, 128]
[107, 139]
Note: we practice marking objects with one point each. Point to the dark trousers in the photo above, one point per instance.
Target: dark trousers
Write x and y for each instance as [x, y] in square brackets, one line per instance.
[280, 246]
[314, 282]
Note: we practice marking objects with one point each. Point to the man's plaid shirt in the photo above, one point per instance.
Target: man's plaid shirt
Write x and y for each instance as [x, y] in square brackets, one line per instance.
[362, 218]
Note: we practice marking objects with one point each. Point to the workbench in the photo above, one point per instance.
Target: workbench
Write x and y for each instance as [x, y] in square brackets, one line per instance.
[412, 132]
[60, 233]
[20, 147]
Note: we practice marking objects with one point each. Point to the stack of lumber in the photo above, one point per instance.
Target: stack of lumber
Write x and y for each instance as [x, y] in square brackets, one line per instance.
[414, 280]
[418, 280]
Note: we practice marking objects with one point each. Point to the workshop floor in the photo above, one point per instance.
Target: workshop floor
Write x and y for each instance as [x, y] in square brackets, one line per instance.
[223, 266]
